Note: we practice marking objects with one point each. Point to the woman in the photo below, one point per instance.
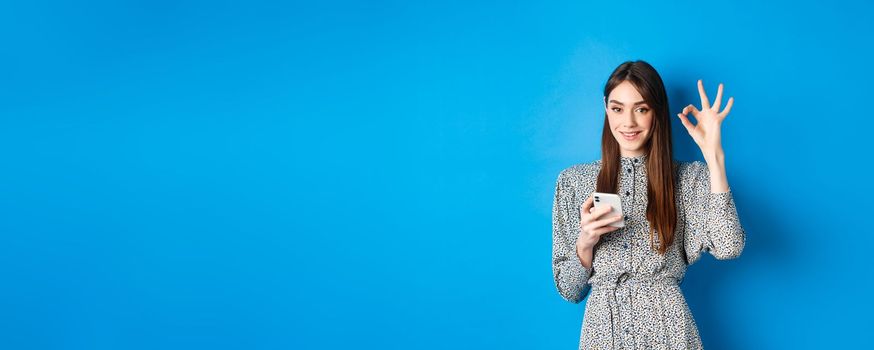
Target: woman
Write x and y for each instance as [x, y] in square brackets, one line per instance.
[673, 211]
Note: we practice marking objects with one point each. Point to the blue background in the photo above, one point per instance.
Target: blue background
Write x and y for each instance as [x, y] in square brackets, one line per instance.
[245, 175]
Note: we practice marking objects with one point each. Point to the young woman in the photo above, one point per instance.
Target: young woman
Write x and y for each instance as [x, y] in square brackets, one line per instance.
[673, 211]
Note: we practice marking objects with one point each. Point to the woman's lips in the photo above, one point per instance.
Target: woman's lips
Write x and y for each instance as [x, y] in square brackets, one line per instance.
[630, 136]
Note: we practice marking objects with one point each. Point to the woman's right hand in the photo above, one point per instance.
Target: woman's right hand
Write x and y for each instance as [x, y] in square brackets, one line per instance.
[593, 224]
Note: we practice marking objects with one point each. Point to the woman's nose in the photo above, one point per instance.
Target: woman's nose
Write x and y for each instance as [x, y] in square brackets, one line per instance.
[628, 119]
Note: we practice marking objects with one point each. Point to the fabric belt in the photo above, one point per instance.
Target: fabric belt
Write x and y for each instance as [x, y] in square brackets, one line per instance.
[622, 287]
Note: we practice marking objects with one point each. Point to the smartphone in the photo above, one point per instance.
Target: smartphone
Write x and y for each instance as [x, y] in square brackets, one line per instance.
[615, 203]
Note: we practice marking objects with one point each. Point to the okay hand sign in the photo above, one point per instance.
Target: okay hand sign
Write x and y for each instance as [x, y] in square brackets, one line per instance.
[706, 132]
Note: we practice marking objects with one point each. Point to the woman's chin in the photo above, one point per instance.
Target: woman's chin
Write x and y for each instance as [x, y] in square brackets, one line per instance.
[634, 148]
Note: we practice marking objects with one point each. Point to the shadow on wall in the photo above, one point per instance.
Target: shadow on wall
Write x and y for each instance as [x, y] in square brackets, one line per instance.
[765, 245]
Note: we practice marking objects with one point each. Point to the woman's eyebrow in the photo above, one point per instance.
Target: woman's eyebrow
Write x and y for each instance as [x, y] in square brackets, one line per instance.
[622, 104]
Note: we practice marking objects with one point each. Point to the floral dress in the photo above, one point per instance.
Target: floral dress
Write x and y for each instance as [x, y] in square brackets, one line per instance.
[636, 301]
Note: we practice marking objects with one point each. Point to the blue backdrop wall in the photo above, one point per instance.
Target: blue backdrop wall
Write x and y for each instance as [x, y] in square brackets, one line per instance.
[274, 175]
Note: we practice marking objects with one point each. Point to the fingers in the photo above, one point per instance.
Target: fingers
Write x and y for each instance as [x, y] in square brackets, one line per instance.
[601, 231]
[718, 100]
[686, 122]
[599, 212]
[705, 103]
[586, 207]
[691, 108]
[591, 214]
[594, 226]
[727, 107]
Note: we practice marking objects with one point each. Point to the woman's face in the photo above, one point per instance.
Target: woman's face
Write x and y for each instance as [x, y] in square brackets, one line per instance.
[630, 119]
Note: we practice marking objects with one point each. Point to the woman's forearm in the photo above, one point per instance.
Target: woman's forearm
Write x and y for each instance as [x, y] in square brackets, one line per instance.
[716, 165]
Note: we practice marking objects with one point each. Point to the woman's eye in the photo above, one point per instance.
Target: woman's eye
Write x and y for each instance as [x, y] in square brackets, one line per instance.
[643, 110]
[616, 109]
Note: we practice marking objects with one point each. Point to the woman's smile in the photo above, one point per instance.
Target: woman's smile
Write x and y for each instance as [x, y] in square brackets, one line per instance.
[630, 136]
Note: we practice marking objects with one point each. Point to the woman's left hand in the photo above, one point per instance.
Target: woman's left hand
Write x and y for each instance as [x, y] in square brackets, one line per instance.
[707, 132]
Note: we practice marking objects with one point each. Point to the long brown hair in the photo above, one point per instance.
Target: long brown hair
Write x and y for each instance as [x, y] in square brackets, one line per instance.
[661, 210]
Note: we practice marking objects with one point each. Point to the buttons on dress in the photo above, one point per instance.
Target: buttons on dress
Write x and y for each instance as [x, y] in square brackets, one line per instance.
[628, 169]
[627, 193]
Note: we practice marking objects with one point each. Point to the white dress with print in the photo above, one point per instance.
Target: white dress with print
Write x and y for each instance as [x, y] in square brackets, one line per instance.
[635, 300]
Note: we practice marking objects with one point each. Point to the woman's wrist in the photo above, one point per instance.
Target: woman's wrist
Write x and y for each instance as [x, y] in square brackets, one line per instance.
[714, 157]
[716, 167]
[583, 248]
[585, 256]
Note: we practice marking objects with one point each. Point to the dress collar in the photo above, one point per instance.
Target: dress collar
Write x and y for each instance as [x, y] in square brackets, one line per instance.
[638, 160]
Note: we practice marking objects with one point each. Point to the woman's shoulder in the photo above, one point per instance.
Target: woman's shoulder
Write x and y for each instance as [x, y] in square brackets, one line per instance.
[691, 170]
[581, 169]
[587, 172]
[580, 174]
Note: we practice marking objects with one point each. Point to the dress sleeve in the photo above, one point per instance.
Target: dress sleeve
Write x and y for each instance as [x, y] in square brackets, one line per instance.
[711, 219]
[571, 278]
